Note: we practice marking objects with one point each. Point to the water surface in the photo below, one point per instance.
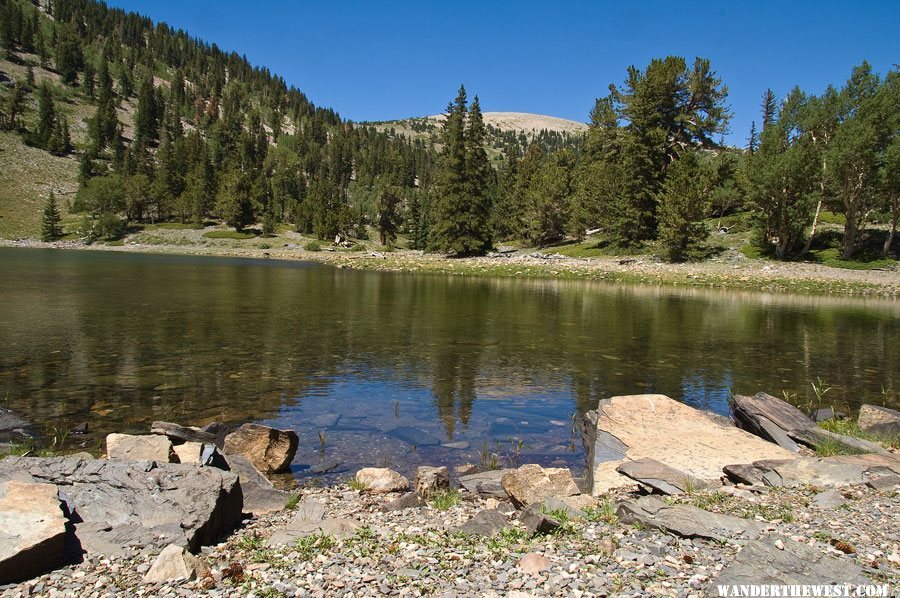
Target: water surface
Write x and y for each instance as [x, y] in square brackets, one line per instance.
[119, 340]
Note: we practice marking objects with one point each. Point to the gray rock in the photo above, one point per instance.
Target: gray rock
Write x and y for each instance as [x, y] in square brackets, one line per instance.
[830, 499]
[486, 483]
[326, 420]
[260, 496]
[140, 504]
[340, 529]
[181, 433]
[129, 447]
[458, 446]
[380, 480]
[487, 523]
[761, 562]
[175, 563]
[309, 510]
[219, 430]
[13, 427]
[269, 450]
[430, 480]
[325, 466]
[558, 504]
[885, 483]
[32, 530]
[414, 436]
[879, 420]
[410, 500]
[818, 471]
[686, 521]
[538, 522]
[815, 436]
[660, 476]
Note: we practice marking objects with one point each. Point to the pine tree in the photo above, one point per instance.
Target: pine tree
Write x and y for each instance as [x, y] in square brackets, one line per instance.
[68, 56]
[14, 107]
[480, 180]
[769, 107]
[46, 115]
[50, 223]
[683, 205]
[388, 216]
[145, 116]
[753, 138]
[87, 80]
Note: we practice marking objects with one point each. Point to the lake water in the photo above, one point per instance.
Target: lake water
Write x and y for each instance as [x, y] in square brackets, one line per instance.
[501, 366]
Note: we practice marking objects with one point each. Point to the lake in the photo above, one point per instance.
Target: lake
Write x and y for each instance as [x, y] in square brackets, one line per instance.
[383, 369]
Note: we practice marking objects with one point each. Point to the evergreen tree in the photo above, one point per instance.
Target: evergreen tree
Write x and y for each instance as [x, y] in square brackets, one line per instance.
[769, 107]
[51, 230]
[548, 197]
[234, 201]
[68, 56]
[388, 216]
[480, 180]
[145, 116]
[60, 143]
[14, 107]
[683, 203]
[46, 115]
[753, 138]
[87, 80]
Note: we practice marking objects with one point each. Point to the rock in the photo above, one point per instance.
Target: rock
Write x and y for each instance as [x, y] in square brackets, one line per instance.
[826, 413]
[538, 522]
[886, 483]
[181, 433]
[818, 471]
[761, 563]
[532, 483]
[660, 477]
[325, 466]
[874, 463]
[128, 447]
[686, 521]
[175, 563]
[414, 436]
[309, 510]
[269, 450]
[340, 529]
[629, 428]
[326, 420]
[485, 523]
[457, 446]
[558, 504]
[410, 500]
[189, 452]
[466, 469]
[260, 496]
[830, 499]
[879, 420]
[32, 530]
[430, 480]
[814, 436]
[219, 430]
[13, 427]
[532, 563]
[486, 483]
[380, 480]
[126, 503]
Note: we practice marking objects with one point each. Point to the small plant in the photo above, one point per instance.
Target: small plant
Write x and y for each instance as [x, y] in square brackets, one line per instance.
[566, 525]
[828, 447]
[251, 542]
[396, 408]
[357, 485]
[517, 451]
[712, 499]
[291, 503]
[819, 390]
[309, 546]
[358, 247]
[444, 500]
[321, 441]
[604, 511]
[312, 246]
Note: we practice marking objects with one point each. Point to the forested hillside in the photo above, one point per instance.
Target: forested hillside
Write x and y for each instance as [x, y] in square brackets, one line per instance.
[123, 122]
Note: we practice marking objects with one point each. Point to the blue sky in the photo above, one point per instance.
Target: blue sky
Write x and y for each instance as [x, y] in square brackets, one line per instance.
[379, 60]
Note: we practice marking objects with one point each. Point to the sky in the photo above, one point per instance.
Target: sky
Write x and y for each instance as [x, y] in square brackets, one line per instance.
[378, 60]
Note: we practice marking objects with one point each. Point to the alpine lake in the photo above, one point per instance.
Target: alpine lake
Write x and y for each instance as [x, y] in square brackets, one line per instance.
[401, 370]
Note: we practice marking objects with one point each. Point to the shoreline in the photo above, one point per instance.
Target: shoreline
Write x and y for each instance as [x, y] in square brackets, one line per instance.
[738, 274]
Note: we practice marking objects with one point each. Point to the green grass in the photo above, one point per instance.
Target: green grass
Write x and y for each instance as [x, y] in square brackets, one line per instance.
[171, 226]
[445, 499]
[832, 257]
[849, 427]
[313, 246]
[355, 484]
[228, 234]
[604, 511]
[291, 503]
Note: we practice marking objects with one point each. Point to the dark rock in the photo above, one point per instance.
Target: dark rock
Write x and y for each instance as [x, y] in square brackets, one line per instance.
[325, 466]
[430, 480]
[886, 483]
[879, 420]
[410, 500]
[660, 477]
[686, 521]
[487, 523]
[414, 436]
[116, 504]
[819, 471]
[536, 521]
[79, 429]
[260, 496]
[219, 430]
[762, 563]
[181, 433]
[486, 483]
[13, 427]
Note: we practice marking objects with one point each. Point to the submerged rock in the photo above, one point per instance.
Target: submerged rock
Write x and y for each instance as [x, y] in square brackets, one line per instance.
[414, 436]
[32, 530]
[269, 450]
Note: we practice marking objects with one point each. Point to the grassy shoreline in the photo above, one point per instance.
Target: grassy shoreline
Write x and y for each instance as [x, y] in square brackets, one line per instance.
[749, 274]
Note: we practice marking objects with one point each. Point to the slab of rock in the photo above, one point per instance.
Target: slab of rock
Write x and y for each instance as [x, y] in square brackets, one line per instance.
[260, 496]
[829, 499]
[660, 477]
[326, 420]
[459, 445]
[532, 563]
[487, 523]
[430, 480]
[536, 521]
[380, 480]
[414, 436]
[561, 504]
[885, 483]
[32, 530]
[325, 466]
[486, 483]
[219, 430]
[140, 504]
[269, 450]
[686, 521]
[762, 562]
[309, 509]
[410, 500]
[175, 563]
[189, 452]
[340, 529]
[182, 433]
[533, 484]
[129, 447]
[696, 442]
[814, 436]
[879, 420]
[817, 471]
[880, 463]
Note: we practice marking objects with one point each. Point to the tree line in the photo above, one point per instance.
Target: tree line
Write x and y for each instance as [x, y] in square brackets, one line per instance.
[185, 131]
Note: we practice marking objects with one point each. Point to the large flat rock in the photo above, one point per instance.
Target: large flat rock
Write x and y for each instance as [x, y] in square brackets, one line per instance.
[260, 496]
[687, 521]
[698, 443]
[842, 470]
[115, 504]
[32, 530]
[762, 562]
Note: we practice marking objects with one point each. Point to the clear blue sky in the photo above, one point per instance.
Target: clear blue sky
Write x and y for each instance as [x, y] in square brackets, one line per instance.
[379, 60]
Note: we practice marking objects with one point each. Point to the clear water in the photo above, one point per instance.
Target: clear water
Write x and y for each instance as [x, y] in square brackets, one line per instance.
[119, 340]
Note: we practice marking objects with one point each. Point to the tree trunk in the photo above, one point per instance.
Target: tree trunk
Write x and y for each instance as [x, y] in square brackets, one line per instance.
[815, 225]
[849, 244]
[892, 234]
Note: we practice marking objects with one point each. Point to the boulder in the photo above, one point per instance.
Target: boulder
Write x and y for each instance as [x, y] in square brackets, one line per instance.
[430, 480]
[117, 504]
[175, 563]
[817, 471]
[686, 521]
[269, 450]
[487, 523]
[13, 427]
[340, 529]
[764, 563]
[380, 480]
[879, 420]
[532, 563]
[189, 452]
[260, 496]
[660, 477]
[32, 530]
[485, 483]
[182, 434]
[536, 521]
[532, 483]
[698, 443]
[885, 483]
[129, 447]
[410, 500]
[829, 499]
